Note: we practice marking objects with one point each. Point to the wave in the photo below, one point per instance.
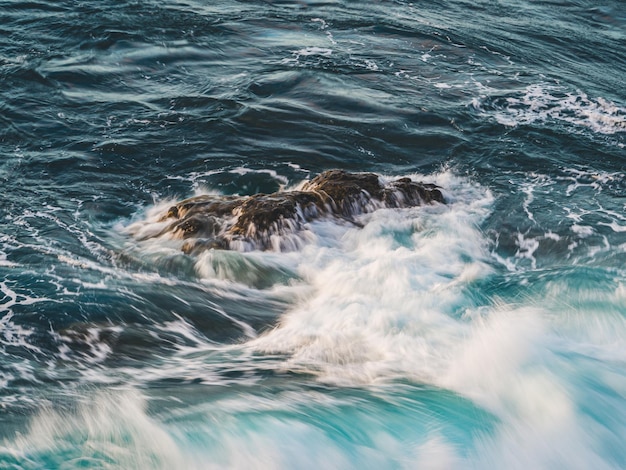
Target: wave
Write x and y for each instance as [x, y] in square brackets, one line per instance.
[410, 300]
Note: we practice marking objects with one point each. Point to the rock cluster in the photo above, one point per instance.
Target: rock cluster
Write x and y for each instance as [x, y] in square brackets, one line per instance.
[266, 221]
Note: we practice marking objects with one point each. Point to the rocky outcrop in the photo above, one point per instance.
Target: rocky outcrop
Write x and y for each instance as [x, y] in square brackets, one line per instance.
[267, 221]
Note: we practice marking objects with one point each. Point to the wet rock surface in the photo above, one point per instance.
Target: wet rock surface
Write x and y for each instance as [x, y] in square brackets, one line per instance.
[267, 221]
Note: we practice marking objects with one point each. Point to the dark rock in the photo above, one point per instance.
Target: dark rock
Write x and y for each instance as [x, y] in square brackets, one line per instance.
[262, 213]
[348, 193]
[255, 222]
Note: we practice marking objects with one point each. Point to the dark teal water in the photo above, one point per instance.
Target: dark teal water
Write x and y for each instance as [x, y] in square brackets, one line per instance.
[486, 333]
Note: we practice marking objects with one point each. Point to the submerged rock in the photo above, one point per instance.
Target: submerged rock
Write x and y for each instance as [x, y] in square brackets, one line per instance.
[269, 221]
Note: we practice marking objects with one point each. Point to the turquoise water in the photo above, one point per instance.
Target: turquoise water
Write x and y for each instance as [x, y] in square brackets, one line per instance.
[489, 332]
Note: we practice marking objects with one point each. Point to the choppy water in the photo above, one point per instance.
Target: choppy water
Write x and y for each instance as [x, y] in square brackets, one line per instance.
[489, 332]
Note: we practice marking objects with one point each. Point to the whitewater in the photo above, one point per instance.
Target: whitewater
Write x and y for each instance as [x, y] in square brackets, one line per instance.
[485, 331]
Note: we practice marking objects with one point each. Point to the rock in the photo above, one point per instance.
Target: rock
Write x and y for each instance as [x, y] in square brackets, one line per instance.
[266, 221]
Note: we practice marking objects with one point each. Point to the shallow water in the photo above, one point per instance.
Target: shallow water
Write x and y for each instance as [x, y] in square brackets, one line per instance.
[488, 332]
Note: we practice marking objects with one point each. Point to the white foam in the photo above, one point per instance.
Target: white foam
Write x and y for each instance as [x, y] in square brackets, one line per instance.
[97, 351]
[437, 454]
[6, 263]
[273, 173]
[109, 429]
[371, 65]
[11, 333]
[394, 301]
[615, 226]
[582, 230]
[543, 102]
[513, 364]
[321, 21]
[312, 51]
[586, 178]
[526, 248]
[150, 225]
[382, 292]
[196, 178]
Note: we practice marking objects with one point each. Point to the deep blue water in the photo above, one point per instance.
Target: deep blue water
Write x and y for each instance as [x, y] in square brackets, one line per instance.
[489, 332]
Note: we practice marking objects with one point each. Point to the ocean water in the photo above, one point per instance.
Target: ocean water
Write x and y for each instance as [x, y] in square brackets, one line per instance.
[488, 332]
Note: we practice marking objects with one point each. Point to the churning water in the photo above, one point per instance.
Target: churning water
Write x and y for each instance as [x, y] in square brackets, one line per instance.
[487, 332]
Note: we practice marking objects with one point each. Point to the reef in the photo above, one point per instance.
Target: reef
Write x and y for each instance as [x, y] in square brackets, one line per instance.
[269, 221]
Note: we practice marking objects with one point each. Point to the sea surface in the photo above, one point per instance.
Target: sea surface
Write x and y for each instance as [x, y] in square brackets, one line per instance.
[485, 333]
